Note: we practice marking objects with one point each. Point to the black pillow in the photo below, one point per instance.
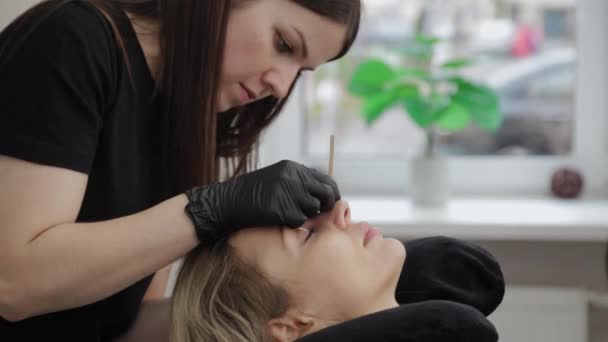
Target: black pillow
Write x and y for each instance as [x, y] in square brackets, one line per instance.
[450, 269]
[428, 321]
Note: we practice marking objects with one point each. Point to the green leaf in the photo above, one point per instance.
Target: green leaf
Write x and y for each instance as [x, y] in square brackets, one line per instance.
[426, 40]
[370, 77]
[376, 104]
[406, 73]
[439, 100]
[419, 52]
[491, 119]
[419, 110]
[456, 63]
[407, 91]
[481, 101]
[454, 117]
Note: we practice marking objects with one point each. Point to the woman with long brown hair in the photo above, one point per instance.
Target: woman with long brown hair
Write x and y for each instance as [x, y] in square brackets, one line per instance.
[116, 115]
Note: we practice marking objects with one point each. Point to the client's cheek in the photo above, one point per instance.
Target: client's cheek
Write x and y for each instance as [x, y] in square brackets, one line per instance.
[335, 253]
[305, 295]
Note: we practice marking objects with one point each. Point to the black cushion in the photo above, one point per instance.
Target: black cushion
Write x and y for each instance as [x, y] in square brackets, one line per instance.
[428, 321]
[450, 269]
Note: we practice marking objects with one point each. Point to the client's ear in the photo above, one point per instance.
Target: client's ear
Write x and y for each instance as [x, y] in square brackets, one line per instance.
[290, 326]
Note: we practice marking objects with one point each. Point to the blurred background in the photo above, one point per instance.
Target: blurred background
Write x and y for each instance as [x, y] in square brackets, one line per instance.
[543, 58]
[524, 49]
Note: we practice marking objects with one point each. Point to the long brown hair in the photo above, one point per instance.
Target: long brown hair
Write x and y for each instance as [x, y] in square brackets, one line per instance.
[220, 298]
[192, 34]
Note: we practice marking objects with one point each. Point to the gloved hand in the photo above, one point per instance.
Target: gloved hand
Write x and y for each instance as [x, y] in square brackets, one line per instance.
[282, 194]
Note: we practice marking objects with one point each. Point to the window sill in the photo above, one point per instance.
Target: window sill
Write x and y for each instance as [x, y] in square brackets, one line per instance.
[483, 218]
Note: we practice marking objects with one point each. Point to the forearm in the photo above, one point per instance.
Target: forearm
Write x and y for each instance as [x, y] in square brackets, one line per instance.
[152, 323]
[158, 285]
[72, 265]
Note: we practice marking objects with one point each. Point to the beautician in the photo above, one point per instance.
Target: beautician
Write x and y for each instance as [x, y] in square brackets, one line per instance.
[116, 118]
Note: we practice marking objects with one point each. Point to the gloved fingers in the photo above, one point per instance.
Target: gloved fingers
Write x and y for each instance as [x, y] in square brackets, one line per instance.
[327, 180]
[295, 220]
[324, 194]
[310, 204]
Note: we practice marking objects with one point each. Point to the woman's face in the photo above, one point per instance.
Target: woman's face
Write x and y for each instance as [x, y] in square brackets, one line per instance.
[267, 43]
[341, 271]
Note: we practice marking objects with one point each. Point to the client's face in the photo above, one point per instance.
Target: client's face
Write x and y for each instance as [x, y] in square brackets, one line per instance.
[334, 269]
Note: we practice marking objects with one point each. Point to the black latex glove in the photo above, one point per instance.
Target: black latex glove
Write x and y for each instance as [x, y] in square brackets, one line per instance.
[429, 321]
[282, 194]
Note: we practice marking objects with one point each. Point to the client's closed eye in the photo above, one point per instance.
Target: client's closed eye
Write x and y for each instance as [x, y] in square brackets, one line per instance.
[308, 232]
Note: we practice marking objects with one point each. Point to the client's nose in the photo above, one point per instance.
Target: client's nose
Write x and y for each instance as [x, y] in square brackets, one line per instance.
[340, 214]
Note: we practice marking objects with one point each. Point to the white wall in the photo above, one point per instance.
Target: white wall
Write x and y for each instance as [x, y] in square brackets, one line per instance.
[9, 9]
[542, 314]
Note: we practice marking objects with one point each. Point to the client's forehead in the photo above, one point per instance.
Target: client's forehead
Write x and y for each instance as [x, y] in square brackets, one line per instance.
[248, 235]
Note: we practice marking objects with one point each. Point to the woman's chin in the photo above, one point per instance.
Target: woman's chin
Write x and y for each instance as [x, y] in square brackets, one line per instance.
[395, 253]
[395, 247]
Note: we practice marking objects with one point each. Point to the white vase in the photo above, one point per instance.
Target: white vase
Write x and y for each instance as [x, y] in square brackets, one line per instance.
[429, 181]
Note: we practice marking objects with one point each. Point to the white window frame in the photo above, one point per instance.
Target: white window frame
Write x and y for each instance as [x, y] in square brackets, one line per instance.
[480, 175]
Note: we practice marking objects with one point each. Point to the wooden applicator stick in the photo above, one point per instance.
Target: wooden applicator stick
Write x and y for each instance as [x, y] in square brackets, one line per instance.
[331, 154]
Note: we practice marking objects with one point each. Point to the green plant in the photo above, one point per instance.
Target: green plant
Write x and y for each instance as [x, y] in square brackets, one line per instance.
[436, 98]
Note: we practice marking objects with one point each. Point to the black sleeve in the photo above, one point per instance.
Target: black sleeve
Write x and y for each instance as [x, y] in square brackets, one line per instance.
[430, 321]
[55, 89]
[450, 269]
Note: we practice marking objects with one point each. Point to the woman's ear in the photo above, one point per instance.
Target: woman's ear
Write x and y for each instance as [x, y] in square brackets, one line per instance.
[290, 327]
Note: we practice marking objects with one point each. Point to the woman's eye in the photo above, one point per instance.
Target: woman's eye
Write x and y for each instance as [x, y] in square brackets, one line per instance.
[310, 232]
[283, 45]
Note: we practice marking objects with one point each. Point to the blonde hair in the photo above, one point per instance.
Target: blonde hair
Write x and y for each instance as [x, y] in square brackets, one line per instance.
[220, 298]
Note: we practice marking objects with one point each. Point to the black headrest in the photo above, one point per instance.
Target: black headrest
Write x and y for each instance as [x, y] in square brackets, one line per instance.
[450, 269]
[429, 321]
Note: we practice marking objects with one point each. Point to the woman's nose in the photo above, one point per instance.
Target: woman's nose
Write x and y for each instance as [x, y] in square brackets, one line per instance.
[280, 80]
[340, 214]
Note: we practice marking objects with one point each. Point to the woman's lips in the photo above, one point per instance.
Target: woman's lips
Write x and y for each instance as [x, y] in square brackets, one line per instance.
[246, 94]
[369, 233]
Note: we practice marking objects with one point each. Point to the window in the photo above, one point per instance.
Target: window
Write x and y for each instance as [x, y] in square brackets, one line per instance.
[540, 57]
[558, 23]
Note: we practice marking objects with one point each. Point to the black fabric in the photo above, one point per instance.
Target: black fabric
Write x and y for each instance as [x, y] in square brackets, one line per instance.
[450, 269]
[67, 101]
[446, 288]
[428, 321]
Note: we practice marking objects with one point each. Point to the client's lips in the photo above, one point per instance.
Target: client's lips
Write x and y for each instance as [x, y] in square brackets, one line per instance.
[369, 233]
[250, 93]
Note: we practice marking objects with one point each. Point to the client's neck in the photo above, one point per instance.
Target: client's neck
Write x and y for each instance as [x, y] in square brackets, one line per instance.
[386, 304]
[323, 321]
[373, 307]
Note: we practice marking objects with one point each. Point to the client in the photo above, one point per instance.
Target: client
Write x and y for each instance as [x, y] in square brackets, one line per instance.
[268, 284]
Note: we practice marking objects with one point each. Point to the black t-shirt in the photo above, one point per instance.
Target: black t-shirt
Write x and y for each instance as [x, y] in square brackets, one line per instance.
[67, 100]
